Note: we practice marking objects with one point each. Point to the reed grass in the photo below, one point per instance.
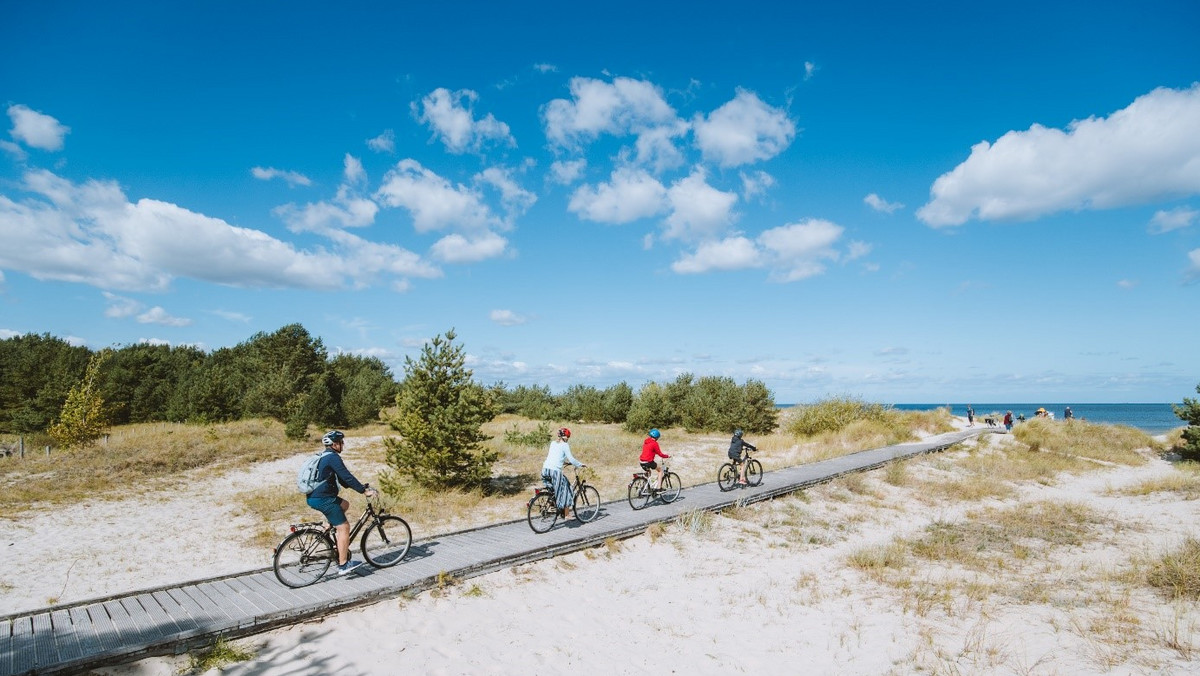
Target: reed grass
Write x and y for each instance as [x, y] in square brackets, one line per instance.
[1116, 444]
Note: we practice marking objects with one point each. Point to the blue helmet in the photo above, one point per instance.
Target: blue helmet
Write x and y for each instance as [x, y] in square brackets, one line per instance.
[654, 433]
[737, 433]
[332, 437]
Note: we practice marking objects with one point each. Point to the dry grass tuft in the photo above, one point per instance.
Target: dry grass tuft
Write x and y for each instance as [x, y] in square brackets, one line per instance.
[1105, 443]
[1177, 573]
[1185, 481]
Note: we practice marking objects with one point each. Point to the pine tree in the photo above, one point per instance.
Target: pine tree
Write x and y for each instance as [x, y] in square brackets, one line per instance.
[1189, 412]
[440, 414]
[82, 419]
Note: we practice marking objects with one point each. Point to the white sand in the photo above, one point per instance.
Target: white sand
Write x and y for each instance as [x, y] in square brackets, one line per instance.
[765, 588]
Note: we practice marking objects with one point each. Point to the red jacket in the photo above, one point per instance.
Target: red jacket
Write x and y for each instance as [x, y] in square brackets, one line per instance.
[650, 449]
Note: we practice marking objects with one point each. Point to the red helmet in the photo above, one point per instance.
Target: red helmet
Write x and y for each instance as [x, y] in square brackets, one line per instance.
[564, 433]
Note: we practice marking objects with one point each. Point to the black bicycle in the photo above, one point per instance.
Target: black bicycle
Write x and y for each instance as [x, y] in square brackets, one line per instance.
[727, 476]
[640, 492]
[542, 508]
[306, 554]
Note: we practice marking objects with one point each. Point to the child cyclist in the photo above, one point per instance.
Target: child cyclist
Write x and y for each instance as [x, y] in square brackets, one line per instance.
[735, 453]
[649, 450]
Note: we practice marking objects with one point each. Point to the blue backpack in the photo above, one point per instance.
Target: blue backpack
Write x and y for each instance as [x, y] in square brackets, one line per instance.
[306, 478]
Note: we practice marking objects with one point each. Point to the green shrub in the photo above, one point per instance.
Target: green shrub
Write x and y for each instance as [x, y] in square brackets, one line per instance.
[536, 437]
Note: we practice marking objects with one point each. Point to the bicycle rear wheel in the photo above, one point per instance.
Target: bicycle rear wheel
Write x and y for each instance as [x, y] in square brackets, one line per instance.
[753, 472]
[542, 512]
[726, 477]
[670, 487]
[303, 557]
[587, 504]
[639, 493]
[386, 541]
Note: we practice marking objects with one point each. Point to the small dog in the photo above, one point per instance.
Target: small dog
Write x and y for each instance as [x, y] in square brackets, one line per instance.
[991, 422]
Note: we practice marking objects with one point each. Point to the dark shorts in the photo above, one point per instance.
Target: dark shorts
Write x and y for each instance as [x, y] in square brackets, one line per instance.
[735, 455]
[649, 465]
[331, 507]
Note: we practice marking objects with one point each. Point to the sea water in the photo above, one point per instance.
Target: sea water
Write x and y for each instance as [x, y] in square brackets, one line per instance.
[1150, 418]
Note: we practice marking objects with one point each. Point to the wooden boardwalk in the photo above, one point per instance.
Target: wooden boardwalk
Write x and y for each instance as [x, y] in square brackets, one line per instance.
[178, 618]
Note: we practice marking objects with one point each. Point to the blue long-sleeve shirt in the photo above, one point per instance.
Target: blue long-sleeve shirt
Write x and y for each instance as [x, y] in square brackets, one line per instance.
[331, 471]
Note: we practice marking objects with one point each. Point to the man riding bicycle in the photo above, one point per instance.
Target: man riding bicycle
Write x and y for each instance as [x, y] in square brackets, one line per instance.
[650, 449]
[736, 445]
[560, 453]
[331, 471]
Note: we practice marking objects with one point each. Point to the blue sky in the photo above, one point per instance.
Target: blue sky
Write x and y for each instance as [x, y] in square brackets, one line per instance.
[940, 202]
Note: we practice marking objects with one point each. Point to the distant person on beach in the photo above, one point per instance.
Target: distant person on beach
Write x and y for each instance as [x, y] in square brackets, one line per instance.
[1008, 420]
[650, 449]
[970, 416]
[1067, 414]
[552, 475]
[736, 445]
[1021, 417]
[331, 471]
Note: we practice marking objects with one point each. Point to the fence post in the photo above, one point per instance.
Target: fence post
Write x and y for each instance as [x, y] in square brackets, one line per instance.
[22, 445]
[47, 450]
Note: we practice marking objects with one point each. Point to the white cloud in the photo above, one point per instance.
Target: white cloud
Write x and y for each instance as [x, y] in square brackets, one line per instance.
[456, 248]
[291, 177]
[545, 68]
[620, 108]
[5, 334]
[743, 131]
[435, 204]
[1146, 151]
[809, 69]
[384, 143]
[157, 315]
[347, 210]
[36, 130]
[798, 249]
[153, 341]
[698, 210]
[507, 318]
[1193, 271]
[857, 249]
[232, 316]
[120, 307]
[755, 184]
[879, 204]
[92, 234]
[733, 253]
[450, 116]
[1166, 221]
[566, 172]
[515, 199]
[629, 195]
[1126, 283]
[15, 150]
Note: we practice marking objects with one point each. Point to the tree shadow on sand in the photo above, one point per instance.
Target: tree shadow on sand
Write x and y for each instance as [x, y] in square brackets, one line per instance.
[510, 484]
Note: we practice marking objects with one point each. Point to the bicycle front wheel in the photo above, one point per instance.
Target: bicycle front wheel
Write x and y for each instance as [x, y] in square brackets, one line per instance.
[386, 541]
[670, 487]
[587, 504]
[726, 477]
[753, 472]
[303, 557]
[639, 493]
[542, 513]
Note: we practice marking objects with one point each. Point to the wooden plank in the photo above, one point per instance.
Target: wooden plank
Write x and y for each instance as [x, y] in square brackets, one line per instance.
[253, 595]
[64, 635]
[85, 630]
[236, 602]
[183, 619]
[23, 651]
[44, 649]
[203, 620]
[232, 606]
[166, 624]
[271, 589]
[106, 632]
[6, 647]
